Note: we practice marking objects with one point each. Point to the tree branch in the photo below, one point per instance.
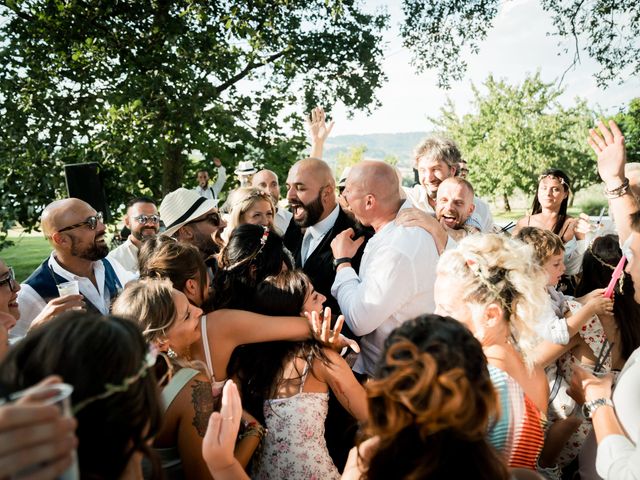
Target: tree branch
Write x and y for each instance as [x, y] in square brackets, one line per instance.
[246, 70]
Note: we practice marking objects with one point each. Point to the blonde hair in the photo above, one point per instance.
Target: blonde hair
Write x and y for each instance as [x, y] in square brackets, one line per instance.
[545, 243]
[149, 302]
[494, 268]
[243, 200]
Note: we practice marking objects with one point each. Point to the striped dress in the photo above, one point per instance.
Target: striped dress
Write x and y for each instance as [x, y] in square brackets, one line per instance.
[518, 433]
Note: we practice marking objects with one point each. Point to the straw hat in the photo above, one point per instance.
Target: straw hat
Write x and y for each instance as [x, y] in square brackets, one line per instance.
[245, 168]
[181, 206]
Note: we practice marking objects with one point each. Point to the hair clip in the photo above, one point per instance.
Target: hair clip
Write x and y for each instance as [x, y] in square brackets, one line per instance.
[265, 235]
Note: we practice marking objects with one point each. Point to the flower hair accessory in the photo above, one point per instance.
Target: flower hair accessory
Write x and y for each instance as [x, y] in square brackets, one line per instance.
[110, 389]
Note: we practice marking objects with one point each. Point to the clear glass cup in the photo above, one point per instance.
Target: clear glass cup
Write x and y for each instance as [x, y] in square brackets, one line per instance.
[69, 288]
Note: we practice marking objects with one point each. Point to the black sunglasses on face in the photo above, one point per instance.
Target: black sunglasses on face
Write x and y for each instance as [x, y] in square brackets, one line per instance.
[92, 222]
[147, 219]
[10, 280]
[213, 218]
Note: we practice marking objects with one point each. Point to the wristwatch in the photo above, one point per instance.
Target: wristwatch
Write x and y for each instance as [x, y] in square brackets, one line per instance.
[340, 261]
[589, 407]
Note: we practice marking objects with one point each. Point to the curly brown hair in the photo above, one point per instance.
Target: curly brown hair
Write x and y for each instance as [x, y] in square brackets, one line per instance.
[431, 404]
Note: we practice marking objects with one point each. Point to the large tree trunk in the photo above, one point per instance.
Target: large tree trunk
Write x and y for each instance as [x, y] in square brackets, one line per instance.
[505, 199]
[172, 168]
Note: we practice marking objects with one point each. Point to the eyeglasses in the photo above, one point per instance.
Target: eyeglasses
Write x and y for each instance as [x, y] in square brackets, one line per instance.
[10, 280]
[213, 218]
[92, 222]
[147, 219]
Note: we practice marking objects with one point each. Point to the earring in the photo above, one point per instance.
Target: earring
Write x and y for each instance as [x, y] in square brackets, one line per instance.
[171, 353]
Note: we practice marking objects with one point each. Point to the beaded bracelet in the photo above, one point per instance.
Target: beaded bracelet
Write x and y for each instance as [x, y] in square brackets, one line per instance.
[254, 429]
[618, 191]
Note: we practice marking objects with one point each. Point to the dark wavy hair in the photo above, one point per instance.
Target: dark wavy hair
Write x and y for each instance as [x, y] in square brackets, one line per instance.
[91, 351]
[598, 264]
[259, 367]
[245, 262]
[566, 184]
[430, 404]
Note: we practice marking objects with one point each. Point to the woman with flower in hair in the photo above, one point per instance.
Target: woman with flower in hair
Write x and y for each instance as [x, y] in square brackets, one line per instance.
[549, 212]
[430, 403]
[493, 285]
[115, 397]
[171, 324]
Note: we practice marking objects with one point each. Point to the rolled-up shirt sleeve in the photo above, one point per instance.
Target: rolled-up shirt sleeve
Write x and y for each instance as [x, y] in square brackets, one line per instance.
[618, 459]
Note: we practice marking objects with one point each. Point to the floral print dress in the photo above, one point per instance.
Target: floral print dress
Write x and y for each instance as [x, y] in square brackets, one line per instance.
[294, 447]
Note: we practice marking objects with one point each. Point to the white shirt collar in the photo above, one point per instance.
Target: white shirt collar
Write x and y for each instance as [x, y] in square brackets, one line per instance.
[321, 228]
[53, 262]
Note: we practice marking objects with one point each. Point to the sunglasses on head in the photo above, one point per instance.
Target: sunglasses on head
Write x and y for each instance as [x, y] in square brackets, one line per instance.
[147, 219]
[91, 222]
[9, 280]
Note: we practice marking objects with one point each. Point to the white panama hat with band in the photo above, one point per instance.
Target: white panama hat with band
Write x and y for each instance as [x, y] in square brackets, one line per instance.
[245, 168]
[182, 206]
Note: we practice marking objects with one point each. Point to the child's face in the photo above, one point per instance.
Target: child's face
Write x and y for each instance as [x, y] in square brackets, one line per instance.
[554, 266]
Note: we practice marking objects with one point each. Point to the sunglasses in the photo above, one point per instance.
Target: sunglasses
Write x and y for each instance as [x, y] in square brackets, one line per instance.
[147, 219]
[10, 280]
[213, 218]
[92, 222]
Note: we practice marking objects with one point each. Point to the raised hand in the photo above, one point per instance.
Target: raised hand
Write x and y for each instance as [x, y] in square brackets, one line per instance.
[220, 439]
[413, 217]
[608, 144]
[318, 130]
[323, 333]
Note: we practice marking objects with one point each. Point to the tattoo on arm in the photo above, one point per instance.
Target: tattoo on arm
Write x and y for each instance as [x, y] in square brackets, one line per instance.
[202, 400]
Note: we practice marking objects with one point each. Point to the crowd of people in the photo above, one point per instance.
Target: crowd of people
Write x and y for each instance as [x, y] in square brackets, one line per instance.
[209, 344]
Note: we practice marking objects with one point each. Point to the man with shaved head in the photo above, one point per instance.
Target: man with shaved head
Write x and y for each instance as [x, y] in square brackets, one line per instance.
[76, 233]
[398, 269]
[454, 206]
[317, 220]
[267, 181]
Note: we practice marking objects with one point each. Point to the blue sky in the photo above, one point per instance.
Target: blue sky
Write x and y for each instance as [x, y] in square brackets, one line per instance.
[517, 45]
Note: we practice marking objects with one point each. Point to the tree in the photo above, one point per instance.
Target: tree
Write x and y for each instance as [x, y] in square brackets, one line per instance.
[439, 32]
[516, 132]
[629, 122]
[350, 158]
[135, 86]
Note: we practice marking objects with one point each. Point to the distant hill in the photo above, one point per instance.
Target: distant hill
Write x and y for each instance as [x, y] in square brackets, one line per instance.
[379, 146]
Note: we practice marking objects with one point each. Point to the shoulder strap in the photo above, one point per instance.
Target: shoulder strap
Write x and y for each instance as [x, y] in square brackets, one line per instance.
[307, 367]
[213, 193]
[177, 383]
[205, 345]
[111, 281]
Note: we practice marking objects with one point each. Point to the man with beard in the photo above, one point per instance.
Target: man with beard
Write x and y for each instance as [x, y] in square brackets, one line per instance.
[193, 219]
[76, 233]
[312, 199]
[436, 160]
[267, 181]
[454, 205]
[143, 221]
[205, 189]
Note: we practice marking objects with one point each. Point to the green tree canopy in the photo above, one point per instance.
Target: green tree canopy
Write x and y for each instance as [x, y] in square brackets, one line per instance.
[515, 132]
[135, 86]
[440, 32]
[629, 122]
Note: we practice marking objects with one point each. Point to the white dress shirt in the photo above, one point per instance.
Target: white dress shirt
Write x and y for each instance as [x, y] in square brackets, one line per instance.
[319, 230]
[397, 274]
[618, 456]
[31, 303]
[282, 220]
[127, 256]
[212, 192]
[481, 217]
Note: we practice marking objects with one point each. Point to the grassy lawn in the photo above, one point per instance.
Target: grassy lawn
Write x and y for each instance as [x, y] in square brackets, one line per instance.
[28, 252]
[502, 217]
